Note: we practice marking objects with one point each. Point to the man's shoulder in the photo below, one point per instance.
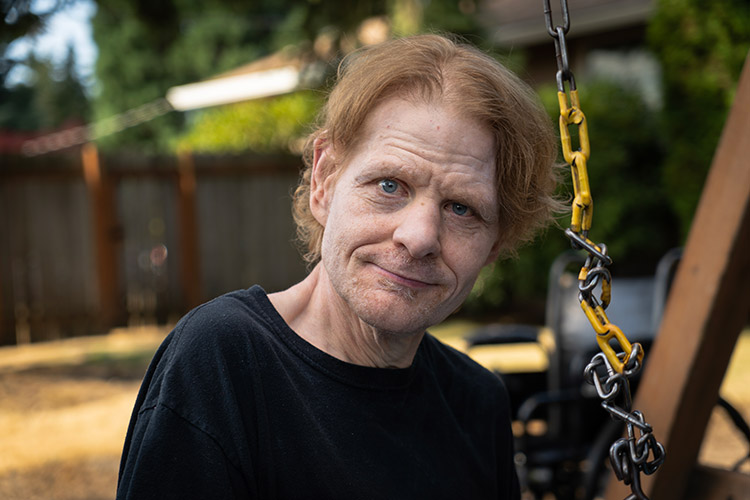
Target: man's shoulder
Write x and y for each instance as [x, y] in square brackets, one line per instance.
[212, 345]
[231, 309]
[233, 314]
[206, 371]
[227, 327]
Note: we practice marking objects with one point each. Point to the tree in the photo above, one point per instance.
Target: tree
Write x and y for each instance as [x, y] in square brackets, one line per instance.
[54, 95]
[59, 97]
[702, 46]
[52, 98]
[17, 111]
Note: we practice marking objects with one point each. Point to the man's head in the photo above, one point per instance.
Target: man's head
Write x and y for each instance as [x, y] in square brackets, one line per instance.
[434, 69]
[410, 218]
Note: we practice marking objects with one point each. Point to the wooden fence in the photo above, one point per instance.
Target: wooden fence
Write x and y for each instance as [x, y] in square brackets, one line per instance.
[90, 242]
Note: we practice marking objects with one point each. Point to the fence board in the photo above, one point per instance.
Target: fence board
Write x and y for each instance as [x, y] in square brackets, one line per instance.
[48, 277]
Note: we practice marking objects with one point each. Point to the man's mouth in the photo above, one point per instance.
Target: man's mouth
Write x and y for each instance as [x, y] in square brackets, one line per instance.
[404, 278]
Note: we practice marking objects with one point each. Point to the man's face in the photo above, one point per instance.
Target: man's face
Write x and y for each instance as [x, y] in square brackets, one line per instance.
[411, 218]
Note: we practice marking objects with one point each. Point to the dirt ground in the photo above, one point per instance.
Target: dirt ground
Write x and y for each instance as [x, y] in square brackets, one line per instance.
[64, 411]
[65, 406]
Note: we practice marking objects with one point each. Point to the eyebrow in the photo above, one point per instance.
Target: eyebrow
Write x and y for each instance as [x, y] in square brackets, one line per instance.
[382, 167]
[484, 207]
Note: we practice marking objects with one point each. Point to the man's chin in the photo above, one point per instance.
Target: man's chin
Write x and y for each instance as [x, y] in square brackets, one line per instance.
[398, 310]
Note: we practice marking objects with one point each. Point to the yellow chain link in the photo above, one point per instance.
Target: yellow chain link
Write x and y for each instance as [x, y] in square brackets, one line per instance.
[581, 218]
[583, 208]
[606, 331]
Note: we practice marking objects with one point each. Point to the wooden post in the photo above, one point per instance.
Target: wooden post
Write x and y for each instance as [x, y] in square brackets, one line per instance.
[4, 323]
[106, 236]
[707, 308]
[190, 271]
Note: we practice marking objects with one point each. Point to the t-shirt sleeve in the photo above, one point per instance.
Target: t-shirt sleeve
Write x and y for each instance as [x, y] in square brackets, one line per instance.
[192, 434]
[170, 458]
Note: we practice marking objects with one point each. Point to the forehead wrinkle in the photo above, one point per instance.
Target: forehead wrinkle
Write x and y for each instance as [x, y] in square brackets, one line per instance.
[445, 136]
[426, 150]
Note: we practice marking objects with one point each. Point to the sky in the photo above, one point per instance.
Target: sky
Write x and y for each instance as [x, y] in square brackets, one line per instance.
[70, 26]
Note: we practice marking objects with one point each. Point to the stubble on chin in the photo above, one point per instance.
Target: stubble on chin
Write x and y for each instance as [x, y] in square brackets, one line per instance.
[404, 292]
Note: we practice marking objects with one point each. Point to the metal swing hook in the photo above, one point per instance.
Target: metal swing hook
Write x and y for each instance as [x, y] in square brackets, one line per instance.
[561, 48]
[551, 29]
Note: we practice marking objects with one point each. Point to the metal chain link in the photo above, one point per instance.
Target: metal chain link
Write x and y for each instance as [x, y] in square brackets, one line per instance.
[86, 133]
[609, 370]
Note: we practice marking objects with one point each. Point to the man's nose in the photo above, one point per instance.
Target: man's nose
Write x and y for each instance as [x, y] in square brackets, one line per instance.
[419, 229]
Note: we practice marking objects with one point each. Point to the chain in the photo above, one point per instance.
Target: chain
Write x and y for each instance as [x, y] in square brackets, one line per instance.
[609, 370]
[86, 133]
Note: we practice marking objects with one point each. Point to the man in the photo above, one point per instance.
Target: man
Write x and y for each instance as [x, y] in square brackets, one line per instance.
[431, 160]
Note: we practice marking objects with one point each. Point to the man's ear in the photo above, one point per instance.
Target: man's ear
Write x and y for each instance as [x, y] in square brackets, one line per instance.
[321, 180]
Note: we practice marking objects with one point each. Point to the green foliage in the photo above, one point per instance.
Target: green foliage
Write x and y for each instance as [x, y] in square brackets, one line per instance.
[451, 16]
[53, 98]
[415, 16]
[59, 96]
[265, 126]
[304, 20]
[701, 46]
[17, 111]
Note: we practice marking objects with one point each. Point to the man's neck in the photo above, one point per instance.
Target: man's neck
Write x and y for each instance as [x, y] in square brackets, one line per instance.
[314, 310]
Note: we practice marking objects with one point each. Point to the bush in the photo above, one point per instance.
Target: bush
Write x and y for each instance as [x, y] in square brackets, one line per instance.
[274, 125]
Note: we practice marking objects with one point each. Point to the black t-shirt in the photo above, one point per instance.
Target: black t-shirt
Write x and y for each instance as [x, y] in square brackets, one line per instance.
[237, 405]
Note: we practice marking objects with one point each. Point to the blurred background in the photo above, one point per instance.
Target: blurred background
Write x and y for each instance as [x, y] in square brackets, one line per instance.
[148, 150]
[181, 192]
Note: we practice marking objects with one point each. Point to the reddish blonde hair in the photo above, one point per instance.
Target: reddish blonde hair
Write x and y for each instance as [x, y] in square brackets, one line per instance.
[434, 68]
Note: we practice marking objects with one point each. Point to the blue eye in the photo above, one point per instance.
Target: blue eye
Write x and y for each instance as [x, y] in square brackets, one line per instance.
[459, 209]
[389, 186]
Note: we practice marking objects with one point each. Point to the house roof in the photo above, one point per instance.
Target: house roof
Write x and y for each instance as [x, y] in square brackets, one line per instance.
[521, 22]
[277, 60]
[276, 74]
